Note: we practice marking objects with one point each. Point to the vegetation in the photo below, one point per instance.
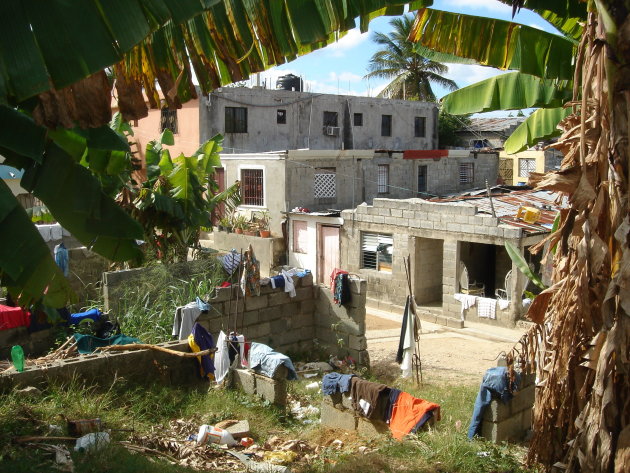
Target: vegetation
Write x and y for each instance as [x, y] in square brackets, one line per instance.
[149, 411]
[448, 125]
[410, 73]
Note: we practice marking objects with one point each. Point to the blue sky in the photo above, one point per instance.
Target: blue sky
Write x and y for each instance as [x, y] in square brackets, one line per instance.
[340, 67]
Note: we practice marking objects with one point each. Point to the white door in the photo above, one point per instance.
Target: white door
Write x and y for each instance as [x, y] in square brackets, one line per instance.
[328, 258]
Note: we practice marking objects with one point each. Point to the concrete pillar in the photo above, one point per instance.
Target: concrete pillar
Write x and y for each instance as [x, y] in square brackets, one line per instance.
[516, 291]
[450, 272]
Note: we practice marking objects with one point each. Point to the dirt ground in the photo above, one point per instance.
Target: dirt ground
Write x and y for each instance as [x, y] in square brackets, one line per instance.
[447, 355]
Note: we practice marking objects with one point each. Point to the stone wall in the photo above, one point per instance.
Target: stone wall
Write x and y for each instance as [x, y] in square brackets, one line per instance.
[510, 421]
[341, 329]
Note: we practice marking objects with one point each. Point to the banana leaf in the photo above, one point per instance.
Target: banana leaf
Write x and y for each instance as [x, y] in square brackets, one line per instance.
[561, 8]
[26, 264]
[539, 126]
[511, 91]
[497, 43]
[521, 264]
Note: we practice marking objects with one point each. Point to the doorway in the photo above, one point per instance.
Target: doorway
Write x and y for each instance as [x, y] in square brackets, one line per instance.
[327, 252]
[429, 259]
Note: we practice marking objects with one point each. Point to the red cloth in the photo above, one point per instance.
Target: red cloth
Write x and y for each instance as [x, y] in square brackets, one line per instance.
[12, 317]
[225, 284]
[333, 277]
[407, 412]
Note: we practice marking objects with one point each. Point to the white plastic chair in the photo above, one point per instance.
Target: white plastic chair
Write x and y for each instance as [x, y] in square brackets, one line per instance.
[469, 287]
[504, 294]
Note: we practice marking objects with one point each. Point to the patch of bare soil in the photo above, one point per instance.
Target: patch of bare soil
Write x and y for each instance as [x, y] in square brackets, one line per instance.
[445, 357]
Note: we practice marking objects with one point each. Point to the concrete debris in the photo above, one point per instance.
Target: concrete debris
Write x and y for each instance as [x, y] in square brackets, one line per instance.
[29, 391]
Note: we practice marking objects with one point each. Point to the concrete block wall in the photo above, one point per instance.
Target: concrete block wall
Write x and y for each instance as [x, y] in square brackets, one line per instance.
[510, 421]
[337, 413]
[270, 252]
[341, 329]
[139, 366]
[286, 324]
[412, 219]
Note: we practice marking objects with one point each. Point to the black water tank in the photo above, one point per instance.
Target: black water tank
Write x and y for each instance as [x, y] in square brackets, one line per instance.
[290, 82]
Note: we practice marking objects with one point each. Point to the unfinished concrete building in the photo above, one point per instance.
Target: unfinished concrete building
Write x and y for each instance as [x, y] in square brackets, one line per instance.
[258, 120]
[454, 246]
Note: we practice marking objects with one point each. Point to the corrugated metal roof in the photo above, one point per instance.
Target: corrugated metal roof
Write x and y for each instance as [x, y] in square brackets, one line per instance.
[494, 124]
[506, 207]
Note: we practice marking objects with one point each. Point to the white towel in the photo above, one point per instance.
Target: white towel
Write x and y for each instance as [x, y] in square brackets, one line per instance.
[486, 308]
[185, 318]
[467, 301]
[221, 358]
[503, 304]
[288, 282]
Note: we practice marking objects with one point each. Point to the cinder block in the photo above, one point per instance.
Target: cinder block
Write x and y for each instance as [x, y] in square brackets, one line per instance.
[336, 418]
[371, 429]
[306, 280]
[523, 399]
[303, 293]
[244, 380]
[497, 411]
[279, 297]
[504, 431]
[250, 318]
[274, 391]
[357, 342]
[256, 302]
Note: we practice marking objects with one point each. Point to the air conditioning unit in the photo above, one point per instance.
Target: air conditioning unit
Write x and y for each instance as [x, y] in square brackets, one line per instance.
[332, 130]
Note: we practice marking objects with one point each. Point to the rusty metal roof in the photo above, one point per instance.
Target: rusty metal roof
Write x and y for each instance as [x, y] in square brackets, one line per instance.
[506, 207]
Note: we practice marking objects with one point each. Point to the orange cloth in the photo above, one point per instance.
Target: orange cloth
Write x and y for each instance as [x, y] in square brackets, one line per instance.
[407, 412]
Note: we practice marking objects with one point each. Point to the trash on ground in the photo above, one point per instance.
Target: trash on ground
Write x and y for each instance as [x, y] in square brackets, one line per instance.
[93, 441]
[282, 457]
[301, 412]
[238, 428]
[80, 427]
[212, 434]
[313, 385]
[259, 466]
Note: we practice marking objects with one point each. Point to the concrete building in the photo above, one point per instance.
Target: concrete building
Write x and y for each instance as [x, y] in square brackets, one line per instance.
[259, 120]
[325, 179]
[442, 238]
[514, 169]
[488, 132]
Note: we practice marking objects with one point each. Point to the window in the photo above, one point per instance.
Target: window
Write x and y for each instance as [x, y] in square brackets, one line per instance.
[419, 127]
[377, 251]
[358, 119]
[168, 120]
[422, 179]
[235, 120]
[281, 117]
[466, 173]
[252, 187]
[525, 166]
[330, 119]
[386, 125]
[300, 237]
[383, 178]
[324, 184]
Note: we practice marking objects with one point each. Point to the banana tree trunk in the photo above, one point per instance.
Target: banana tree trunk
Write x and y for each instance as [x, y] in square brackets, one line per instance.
[582, 411]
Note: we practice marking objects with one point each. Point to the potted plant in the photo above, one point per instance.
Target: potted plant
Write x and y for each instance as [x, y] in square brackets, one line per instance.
[239, 223]
[251, 229]
[225, 224]
[263, 224]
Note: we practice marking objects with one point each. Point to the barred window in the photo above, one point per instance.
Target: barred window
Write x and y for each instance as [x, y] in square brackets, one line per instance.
[358, 119]
[235, 119]
[331, 119]
[324, 183]
[526, 166]
[383, 178]
[377, 250]
[168, 120]
[300, 236]
[466, 173]
[252, 187]
[420, 127]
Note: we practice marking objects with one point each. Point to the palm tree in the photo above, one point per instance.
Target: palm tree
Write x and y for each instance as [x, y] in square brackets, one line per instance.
[410, 73]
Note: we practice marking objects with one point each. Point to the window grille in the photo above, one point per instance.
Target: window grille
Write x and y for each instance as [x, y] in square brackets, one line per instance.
[419, 127]
[358, 119]
[235, 119]
[252, 187]
[168, 120]
[377, 251]
[324, 184]
[300, 236]
[526, 166]
[383, 178]
[466, 173]
[386, 125]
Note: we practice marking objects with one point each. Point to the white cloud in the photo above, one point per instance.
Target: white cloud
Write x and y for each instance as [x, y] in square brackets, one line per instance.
[345, 76]
[466, 74]
[351, 40]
